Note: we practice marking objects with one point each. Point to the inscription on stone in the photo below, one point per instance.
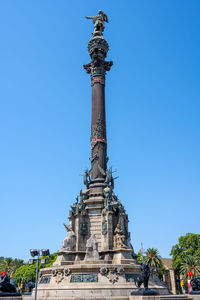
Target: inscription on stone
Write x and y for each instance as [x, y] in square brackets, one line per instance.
[45, 279]
[84, 278]
[131, 277]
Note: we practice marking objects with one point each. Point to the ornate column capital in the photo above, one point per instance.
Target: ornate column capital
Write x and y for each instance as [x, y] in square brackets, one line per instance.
[98, 48]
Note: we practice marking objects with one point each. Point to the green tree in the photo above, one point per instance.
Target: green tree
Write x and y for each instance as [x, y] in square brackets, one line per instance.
[190, 263]
[24, 272]
[17, 263]
[139, 257]
[153, 258]
[6, 265]
[51, 259]
[197, 253]
[188, 244]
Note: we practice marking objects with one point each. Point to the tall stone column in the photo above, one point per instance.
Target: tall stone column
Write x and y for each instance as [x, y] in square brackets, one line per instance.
[98, 48]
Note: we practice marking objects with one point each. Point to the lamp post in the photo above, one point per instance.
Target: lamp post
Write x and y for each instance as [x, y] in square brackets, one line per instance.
[34, 252]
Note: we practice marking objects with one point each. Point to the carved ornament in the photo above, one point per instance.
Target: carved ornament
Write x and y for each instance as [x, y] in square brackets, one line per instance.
[112, 273]
[100, 80]
[103, 271]
[58, 274]
[67, 272]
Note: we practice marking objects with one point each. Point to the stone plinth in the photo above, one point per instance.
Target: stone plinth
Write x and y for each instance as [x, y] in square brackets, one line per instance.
[113, 297]
[96, 278]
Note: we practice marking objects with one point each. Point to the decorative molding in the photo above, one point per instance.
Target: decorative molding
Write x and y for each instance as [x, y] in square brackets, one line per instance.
[103, 271]
[98, 130]
[98, 43]
[112, 273]
[120, 270]
[98, 48]
[100, 80]
[58, 274]
[67, 272]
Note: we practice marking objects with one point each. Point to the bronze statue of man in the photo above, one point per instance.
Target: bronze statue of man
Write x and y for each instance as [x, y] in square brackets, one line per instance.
[99, 21]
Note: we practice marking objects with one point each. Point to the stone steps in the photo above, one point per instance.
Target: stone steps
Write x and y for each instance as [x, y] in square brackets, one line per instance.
[159, 297]
[175, 297]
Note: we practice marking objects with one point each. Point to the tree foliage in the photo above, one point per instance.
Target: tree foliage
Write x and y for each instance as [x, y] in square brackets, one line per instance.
[25, 272]
[153, 258]
[9, 265]
[21, 271]
[139, 257]
[190, 263]
[188, 245]
[51, 259]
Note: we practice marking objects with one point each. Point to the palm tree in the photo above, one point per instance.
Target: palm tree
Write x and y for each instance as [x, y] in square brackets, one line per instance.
[10, 265]
[6, 265]
[191, 263]
[153, 258]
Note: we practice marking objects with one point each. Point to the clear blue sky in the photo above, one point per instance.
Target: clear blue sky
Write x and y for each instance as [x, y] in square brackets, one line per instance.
[152, 102]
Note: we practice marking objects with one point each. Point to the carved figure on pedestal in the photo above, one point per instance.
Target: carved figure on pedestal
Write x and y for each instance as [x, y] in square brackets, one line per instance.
[74, 208]
[195, 283]
[86, 178]
[6, 286]
[78, 207]
[109, 179]
[69, 243]
[144, 276]
[107, 197]
[92, 248]
[119, 238]
[81, 204]
[99, 22]
[116, 204]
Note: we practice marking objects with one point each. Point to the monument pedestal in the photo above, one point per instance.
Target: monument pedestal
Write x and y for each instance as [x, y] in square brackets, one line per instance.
[92, 279]
[97, 260]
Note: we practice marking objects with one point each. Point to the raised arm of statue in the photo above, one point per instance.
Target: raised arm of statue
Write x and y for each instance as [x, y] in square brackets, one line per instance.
[90, 17]
[68, 228]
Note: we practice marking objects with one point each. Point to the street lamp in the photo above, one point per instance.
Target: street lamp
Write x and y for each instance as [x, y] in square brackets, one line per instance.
[35, 252]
